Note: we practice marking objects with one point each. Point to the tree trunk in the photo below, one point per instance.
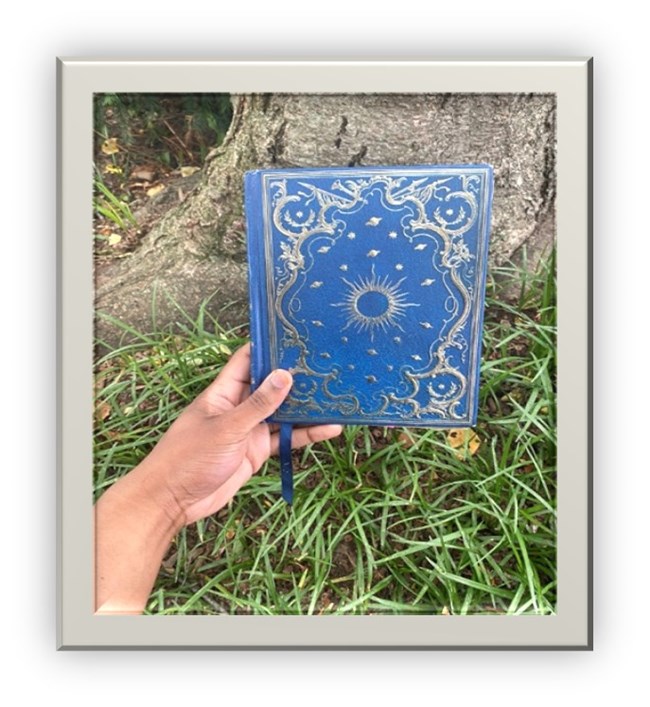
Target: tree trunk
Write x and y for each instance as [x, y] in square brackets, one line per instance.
[197, 249]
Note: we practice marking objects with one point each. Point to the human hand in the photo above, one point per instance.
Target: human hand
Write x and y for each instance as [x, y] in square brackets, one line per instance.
[216, 444]
[220, 440]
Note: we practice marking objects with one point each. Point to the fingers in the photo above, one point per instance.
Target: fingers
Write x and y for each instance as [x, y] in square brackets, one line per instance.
[307, 435]
[232, 383]
[263, 402]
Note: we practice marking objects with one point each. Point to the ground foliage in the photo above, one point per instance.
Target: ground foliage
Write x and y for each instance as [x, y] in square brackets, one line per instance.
[146, 144]
[385, 520]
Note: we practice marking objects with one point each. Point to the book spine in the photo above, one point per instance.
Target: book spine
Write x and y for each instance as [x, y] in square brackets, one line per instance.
[482, 257]
[257, 284]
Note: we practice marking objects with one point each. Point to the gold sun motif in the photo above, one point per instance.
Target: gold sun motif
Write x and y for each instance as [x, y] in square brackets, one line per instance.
[373, 303]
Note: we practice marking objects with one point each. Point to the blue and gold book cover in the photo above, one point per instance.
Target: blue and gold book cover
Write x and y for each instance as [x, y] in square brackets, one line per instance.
[368, 283]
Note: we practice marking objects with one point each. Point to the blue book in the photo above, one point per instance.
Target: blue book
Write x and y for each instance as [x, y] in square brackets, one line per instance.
[368, 284]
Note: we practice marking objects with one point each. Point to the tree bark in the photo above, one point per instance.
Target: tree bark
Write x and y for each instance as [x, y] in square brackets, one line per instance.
[197, 249]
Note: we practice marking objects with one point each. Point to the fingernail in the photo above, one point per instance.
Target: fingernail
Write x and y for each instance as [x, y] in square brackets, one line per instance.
[280, 379]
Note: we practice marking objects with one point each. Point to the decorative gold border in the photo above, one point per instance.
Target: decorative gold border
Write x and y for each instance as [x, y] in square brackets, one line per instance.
[435, 414]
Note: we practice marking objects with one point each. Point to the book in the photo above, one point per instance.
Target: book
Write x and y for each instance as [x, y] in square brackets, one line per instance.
[368, 284]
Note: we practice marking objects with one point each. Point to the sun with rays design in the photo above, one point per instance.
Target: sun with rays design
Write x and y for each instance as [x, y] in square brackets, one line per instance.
[372, 304]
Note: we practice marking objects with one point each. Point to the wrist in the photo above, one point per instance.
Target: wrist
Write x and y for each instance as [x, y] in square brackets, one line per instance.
[135, 523]
[152, 490]
[144, 493]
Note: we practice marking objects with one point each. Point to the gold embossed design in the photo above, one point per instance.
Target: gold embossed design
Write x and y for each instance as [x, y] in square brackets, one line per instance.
[436, 217]
[390, 304]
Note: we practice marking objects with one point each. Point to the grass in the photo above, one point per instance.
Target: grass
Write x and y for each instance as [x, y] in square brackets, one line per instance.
[113, 209]
[385, 521]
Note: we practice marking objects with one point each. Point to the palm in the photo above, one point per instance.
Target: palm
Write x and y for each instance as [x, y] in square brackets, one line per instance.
[224, 468]
[221, 439]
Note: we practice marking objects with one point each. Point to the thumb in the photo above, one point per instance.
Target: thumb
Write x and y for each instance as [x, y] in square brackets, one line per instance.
[263, 402]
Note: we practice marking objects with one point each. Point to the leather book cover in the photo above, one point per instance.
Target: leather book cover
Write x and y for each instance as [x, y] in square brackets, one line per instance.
[368, 284]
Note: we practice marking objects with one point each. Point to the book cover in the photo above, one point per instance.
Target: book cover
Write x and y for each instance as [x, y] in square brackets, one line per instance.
[368, 283]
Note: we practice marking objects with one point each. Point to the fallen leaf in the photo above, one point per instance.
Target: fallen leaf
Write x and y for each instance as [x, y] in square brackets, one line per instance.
[154, 191]
[189, 171]
[102, 411]
[407, 439]
[114, 239]
[147, 174]
[445, 611]
[465, 441]
[109, 146]
[194, 361]
[112, 169]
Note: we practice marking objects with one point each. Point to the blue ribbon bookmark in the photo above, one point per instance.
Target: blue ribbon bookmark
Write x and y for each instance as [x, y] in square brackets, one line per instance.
[286, 472]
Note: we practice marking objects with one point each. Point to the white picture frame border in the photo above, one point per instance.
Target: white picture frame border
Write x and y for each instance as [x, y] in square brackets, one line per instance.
[570, 79]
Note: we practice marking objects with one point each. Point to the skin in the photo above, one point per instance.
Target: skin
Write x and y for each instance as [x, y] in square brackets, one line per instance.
[211, 450]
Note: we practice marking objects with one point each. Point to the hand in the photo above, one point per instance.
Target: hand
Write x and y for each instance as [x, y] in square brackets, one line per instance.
[216, 444]
[220, 440]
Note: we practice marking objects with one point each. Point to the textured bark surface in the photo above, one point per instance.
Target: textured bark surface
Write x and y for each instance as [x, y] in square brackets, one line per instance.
[197, 249]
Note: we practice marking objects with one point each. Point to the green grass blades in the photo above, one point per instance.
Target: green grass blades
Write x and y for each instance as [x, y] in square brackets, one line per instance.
[384, 521]
[115, 210]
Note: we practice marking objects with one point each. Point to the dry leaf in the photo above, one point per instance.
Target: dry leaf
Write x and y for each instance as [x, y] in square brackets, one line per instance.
[114, 239]
[112, 169]
[147, 174]
[102, 411]
[189, 171]
[407, 438]
[445, 611]
[109, 146]
[465, 441]
[154, 191]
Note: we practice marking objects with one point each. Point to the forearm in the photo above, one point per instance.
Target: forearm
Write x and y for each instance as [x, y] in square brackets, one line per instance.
[134, 527]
